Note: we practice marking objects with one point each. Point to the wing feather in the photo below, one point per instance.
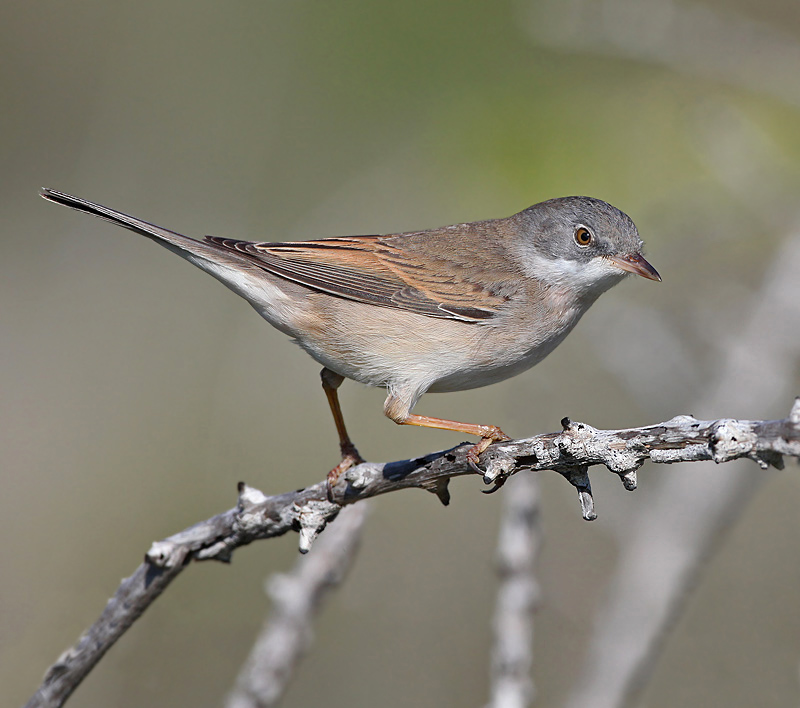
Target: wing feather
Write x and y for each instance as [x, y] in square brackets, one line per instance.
[418, 272]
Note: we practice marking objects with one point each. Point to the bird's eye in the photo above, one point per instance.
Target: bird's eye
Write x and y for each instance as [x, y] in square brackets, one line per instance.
[583, 237]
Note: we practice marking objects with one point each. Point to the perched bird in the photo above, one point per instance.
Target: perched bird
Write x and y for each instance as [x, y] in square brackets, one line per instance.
[447, 309]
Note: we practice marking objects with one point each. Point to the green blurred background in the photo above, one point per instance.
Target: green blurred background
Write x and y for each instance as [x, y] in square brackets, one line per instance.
[137, 391]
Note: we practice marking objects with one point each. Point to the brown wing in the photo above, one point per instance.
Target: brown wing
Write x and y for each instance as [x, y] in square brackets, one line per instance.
[429, 273]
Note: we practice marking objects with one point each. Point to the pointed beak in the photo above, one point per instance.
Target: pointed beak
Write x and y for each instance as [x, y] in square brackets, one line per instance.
[635, 263]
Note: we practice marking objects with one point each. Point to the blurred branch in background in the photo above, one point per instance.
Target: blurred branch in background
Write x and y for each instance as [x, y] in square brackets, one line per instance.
[296, 599]
[685, 37]
[668, 544]
[309, 510]
[518, 547]
[663, 370]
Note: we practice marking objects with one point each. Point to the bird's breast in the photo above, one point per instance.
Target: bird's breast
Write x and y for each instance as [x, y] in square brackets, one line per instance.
[382, 346]
[516, 340]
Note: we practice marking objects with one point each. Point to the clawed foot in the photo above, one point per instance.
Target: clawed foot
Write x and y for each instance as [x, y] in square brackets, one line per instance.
[491, 434]
[350, 458]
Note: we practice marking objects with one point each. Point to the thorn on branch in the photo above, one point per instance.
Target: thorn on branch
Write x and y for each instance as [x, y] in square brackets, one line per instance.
[251, 500]
[794, 414]
[629, 479]
[312, 518]
[768, 458]
[249, 496]
[165, 554]
[578, 477]
[439, 487]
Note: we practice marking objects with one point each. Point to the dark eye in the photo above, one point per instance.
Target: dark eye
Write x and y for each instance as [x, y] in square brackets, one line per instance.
[583, 237]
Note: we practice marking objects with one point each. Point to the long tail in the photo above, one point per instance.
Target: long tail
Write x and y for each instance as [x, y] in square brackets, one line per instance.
[225, 265]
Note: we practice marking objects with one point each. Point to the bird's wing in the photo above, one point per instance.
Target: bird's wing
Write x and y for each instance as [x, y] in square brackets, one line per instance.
[426, 272]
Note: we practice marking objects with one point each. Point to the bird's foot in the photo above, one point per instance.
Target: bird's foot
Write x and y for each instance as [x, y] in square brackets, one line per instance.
[350, 458]
[491, 434]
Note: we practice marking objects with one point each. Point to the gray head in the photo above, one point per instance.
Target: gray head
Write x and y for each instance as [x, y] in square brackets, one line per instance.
[580, 242]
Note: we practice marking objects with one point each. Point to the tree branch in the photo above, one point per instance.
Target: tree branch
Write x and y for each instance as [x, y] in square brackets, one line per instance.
[570, 453]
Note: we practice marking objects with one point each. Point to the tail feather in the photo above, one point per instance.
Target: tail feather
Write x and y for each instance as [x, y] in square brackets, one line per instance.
[241, 272]
[205, 255]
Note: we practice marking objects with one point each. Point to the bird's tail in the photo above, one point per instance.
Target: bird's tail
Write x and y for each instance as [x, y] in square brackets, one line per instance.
[225, 265]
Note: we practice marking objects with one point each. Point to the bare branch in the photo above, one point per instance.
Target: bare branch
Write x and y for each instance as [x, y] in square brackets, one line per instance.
[570, 453]
[296, 598]
[517, 551]
[132, 598]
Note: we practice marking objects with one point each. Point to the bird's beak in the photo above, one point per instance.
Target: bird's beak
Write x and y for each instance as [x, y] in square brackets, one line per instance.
[635, 263]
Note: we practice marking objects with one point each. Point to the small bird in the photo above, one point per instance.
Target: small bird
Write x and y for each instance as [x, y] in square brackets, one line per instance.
[448, 309]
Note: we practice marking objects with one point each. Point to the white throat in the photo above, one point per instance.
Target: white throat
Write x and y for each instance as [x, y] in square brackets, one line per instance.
[594, 277]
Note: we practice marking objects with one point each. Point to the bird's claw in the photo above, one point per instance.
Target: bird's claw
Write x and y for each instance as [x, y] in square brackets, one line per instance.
[473, 464]
[499, 482]
[473, 457]
[350, 458]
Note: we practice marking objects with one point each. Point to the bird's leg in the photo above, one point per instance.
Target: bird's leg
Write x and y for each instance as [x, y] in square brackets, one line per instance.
[487, 433]
[400, 414]
[330, 383]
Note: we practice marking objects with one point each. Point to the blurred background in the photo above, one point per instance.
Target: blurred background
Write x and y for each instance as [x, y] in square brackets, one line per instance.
[137, 391]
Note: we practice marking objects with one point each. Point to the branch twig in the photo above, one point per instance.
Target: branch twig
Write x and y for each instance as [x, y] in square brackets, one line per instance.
[570, 453]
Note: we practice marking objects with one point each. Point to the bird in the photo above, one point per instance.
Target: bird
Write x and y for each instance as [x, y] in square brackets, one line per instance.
[445, 309]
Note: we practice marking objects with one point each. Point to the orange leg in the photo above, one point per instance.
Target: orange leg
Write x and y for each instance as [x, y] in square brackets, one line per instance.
[487, 433]
[330, 383]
